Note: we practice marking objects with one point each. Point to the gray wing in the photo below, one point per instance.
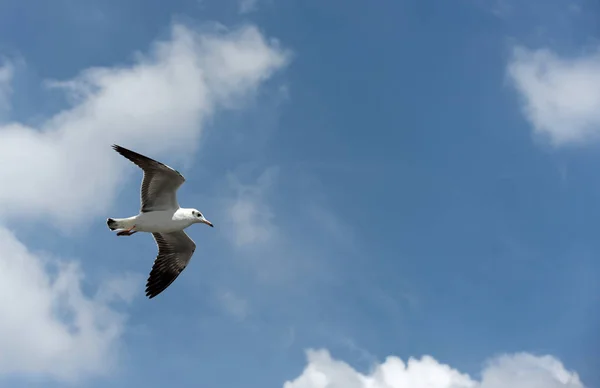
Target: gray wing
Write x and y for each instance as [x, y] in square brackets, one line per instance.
[160, 183]
[174, 253]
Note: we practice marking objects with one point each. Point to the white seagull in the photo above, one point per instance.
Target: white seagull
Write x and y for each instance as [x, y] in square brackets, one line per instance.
[160, 215]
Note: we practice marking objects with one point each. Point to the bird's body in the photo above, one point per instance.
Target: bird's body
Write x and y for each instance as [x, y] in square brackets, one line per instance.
[161, 215]
[160, 221]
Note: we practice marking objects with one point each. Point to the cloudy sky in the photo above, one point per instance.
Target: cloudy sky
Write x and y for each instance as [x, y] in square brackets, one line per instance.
[405, 194]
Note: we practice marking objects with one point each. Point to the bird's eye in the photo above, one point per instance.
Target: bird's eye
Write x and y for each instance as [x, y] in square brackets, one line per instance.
[199, 214]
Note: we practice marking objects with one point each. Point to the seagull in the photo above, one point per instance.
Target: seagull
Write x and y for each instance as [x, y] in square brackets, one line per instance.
[160, 215]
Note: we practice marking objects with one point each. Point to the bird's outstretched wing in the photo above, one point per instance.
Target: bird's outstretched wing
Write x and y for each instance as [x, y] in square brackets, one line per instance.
[174, 253]
[160, 182]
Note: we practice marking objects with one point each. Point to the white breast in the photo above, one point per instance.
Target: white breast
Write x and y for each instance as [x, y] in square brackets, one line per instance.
[160, 222]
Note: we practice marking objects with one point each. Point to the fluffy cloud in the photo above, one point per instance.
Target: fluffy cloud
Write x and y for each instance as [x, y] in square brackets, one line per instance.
[515, 371]
[64, 169]
[560, 96]
[48, 325]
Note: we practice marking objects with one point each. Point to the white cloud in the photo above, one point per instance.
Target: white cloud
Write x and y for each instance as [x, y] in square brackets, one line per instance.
[48, 325]
[65, 171]
[157, 106]
[515, 371]
[247, 6]
[250, 215]
[560, 96]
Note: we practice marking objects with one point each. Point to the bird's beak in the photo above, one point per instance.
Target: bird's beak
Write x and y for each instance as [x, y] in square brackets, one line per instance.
[207, 222]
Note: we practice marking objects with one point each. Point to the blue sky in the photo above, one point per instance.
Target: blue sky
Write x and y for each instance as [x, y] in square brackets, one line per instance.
[400, 179]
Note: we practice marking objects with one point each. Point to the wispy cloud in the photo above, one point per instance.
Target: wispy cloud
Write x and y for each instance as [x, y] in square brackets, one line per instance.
[247, 6]
[235, 305]
[124, 287]
[560, 96]
[520, 370]
[6, 77]
[248, 210]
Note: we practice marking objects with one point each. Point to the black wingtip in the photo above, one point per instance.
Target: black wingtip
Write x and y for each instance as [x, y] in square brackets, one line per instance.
[149, 293]
[118, 148]
[152, 288]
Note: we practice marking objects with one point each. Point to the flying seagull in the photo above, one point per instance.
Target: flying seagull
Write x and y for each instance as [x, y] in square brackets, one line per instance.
[160, 215]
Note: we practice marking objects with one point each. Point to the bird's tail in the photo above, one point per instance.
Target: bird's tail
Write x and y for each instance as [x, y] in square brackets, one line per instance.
[114, 224]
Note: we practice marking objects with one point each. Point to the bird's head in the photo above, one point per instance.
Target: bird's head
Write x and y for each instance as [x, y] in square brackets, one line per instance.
[199, 218]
